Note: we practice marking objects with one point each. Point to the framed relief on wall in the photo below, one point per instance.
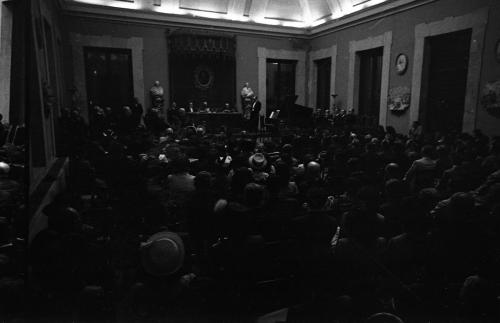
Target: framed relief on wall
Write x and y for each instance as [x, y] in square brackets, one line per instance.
[401, 64]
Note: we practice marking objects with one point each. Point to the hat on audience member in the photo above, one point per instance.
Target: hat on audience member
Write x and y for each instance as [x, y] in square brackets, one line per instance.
[163, 253]
[257, 161]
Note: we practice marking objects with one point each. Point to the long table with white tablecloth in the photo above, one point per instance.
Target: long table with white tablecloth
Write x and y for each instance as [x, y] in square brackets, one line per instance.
[213, 121]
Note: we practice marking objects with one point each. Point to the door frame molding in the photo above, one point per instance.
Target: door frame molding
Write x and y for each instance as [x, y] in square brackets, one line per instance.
[300, 72]
[385, 41]
[477, 22]
[330, 52]
[79, 41]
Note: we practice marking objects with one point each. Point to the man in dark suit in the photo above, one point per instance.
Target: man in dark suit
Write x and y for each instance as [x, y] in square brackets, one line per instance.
[254, 115]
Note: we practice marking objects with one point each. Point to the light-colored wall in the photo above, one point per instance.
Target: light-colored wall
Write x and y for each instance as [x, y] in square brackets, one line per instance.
[5, 58]
[155, 51]
[402, 25]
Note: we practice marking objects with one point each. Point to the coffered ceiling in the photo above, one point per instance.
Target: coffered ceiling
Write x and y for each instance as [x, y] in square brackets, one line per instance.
[296, 16]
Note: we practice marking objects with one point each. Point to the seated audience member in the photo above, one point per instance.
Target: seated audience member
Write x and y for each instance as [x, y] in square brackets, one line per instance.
[422, 172]
[394, 208]
[154, 122]
[286, 156]
[180, 183]
[415, 132]
[359, 257]
[453, 258]
[200, 212]
[408, 253]
[392, 171]
[261, 170]
[312, 178]
[126, 123]
[280, 184]
[137, 111]
[316, 228]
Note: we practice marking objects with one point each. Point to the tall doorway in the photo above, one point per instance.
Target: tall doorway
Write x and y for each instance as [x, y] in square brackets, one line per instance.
[446, 65]
[280, 83]
[323, 68]
[370, 83]
[109, 77]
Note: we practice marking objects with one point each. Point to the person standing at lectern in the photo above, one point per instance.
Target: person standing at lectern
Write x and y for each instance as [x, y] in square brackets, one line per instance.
[247, 99]
[255, 114]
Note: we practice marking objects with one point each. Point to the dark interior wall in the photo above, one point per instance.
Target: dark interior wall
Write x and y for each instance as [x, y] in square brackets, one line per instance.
[402, 26]
[156, 50]
[155, 54]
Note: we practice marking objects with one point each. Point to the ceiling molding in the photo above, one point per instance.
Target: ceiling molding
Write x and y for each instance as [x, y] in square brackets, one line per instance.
[237, 7]
[367, 15]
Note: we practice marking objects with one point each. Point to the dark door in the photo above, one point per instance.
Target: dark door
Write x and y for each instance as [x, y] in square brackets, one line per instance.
[324, 67]
[280, 83]
[370, 80]
[109, 77]
[448, 61]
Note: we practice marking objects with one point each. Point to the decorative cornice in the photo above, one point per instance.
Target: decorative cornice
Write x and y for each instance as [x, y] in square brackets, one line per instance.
[146, 17]
[143, 17]
[367, 15]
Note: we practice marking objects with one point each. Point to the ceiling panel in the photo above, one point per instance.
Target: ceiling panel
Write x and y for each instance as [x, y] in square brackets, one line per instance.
[288, 13]
[319, 9]
[284, 10]
[220, 6]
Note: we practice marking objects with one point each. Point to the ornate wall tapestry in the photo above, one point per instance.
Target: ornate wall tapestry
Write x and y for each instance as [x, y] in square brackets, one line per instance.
[202, 68]
[399, 99]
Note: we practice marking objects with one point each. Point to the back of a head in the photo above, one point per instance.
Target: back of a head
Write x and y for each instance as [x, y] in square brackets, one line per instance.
[461, 205]
[282, 172]
[394, 188]
[427, 151]
[254, 195]
[392, 170]
[203, 181]
[242, 176]
[360, 224]
[313, 169]
[180, 164]
[384, 318]
[316, 197]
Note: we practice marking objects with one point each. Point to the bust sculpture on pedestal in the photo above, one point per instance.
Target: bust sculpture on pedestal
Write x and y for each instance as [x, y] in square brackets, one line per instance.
[156, 92]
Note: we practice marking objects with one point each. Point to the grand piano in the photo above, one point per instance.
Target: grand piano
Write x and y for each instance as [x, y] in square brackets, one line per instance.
[295, 115]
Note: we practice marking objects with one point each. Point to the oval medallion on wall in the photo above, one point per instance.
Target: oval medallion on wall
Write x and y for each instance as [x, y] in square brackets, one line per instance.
[203, 77]
[401, 64]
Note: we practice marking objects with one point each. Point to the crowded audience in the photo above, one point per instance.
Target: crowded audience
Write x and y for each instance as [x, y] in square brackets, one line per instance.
[343, 223]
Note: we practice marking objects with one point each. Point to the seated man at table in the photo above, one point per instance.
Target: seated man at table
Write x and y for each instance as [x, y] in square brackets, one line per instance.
[228, 108]
[204, 107]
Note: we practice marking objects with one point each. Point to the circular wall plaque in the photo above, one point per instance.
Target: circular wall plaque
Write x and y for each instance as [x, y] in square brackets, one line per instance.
[203, 77]
[401, 64]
